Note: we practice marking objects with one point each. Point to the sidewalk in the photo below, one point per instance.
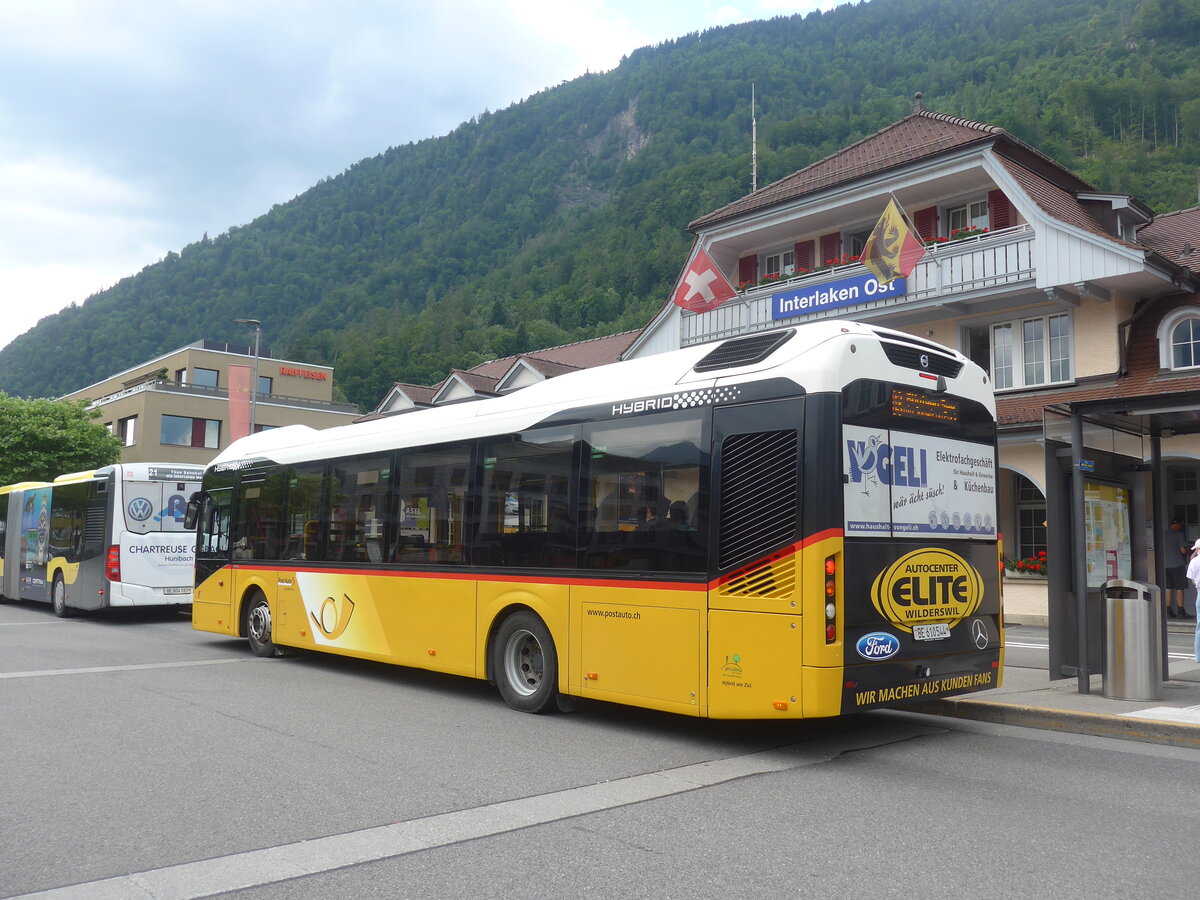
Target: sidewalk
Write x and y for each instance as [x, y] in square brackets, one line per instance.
[1029, 698]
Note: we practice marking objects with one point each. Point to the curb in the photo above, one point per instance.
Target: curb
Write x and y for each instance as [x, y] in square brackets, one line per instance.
[1099, 724]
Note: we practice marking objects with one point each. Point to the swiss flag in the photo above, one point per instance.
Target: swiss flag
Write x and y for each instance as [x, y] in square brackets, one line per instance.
[702, 286]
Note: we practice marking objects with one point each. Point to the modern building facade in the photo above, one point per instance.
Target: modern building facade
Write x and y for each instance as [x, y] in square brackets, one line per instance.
[175, 407]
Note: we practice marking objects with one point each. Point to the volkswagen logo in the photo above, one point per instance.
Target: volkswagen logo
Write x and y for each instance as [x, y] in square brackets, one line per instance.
[924, 360]
[140, 509]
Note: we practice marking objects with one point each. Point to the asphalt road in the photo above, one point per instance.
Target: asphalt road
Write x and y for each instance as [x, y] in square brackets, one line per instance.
[141, 758]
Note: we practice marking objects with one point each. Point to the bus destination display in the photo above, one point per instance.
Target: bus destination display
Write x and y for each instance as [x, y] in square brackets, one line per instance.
[912, 405]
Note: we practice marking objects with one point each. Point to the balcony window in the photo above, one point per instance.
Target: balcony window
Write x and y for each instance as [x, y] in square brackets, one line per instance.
[856, 242]
[782, 263]
[969, 215]
[204, 377]
[1024, 353]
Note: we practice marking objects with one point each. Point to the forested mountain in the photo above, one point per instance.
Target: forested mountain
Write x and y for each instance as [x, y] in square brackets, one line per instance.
[564, 216]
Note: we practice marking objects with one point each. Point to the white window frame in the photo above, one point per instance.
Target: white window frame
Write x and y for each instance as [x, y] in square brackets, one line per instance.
[972, 214]
[1166, 338]
[1015, 360]
[781, 262]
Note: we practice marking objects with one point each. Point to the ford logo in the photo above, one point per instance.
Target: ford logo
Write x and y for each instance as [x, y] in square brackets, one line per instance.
[878, 645]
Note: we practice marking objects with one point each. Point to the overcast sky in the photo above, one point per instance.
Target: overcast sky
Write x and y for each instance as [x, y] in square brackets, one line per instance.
[131, 127]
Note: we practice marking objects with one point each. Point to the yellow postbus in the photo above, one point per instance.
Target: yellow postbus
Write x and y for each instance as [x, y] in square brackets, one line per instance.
[797, 523]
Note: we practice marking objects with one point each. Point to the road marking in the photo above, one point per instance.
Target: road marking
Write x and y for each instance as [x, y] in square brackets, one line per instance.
[1189, 715]
[1026, 646]
[38, 673]
[254, 868]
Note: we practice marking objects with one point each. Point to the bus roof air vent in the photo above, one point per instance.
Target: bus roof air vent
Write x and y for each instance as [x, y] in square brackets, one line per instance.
[920, 355]
[744, 351]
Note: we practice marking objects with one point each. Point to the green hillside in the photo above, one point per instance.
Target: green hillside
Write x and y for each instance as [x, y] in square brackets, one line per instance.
[564, 216]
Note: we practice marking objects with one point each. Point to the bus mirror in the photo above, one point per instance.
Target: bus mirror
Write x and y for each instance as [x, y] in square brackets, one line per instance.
[193, 512]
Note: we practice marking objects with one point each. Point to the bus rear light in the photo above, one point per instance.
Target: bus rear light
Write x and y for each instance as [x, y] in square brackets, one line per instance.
[112, 565]
[831, 567]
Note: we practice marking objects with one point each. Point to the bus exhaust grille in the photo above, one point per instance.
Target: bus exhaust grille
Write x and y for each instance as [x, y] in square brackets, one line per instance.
[759, 495]
[910, 357]
[743, 351]
[773, 580]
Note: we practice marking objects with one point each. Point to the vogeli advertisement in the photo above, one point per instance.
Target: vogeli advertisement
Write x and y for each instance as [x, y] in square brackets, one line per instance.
[910, 485]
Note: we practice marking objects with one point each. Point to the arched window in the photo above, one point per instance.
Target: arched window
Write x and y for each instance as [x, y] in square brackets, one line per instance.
[1179, 339]
[1185, 344]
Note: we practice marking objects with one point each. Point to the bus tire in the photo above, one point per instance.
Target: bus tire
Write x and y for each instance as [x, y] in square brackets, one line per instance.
[58, 597]
[526, 663]
[258, 627]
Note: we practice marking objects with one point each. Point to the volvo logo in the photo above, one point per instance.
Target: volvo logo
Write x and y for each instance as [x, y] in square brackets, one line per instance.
[140, 509]
[924, 360]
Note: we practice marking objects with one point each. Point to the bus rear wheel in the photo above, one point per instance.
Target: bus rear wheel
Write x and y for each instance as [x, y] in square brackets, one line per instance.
[58, 597]
[258, 627]
[526, 663]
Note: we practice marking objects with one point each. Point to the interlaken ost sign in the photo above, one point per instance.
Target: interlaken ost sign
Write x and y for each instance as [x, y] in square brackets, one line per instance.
[816, 298]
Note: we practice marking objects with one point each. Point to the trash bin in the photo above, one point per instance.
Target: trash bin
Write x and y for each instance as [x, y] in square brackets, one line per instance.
[1132, 642]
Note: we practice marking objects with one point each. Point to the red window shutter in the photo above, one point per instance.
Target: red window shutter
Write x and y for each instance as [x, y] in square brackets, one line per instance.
[831, 247]
[748, 268]
[926, 222]
[804, 255]
[1000, 211]
[198, 426]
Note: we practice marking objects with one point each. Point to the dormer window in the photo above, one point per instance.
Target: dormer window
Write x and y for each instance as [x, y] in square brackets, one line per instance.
[1179, 339]
[781, 263]
[970, 215]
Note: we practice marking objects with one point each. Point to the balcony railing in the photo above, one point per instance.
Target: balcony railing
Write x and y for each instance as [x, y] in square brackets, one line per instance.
[195, 390]
[953, 271]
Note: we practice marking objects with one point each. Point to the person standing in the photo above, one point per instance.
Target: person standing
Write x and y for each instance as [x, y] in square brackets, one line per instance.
[1193, 575]
[1175, 551]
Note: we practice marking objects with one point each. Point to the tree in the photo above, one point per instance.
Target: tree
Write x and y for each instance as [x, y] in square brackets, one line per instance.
[42, 439]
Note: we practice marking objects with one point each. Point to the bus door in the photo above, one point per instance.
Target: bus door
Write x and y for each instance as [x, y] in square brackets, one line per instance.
[213, 580]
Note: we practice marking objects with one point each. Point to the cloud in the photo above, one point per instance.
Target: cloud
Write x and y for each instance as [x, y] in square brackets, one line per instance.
[131, 127]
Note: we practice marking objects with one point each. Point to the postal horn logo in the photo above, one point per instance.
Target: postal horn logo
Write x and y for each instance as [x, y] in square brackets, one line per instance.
[334, 616]
[927, 586]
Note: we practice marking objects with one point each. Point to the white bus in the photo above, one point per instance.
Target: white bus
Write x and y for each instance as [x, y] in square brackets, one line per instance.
[91, 540]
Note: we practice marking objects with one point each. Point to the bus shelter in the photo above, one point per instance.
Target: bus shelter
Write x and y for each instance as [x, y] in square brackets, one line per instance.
[1097, 455]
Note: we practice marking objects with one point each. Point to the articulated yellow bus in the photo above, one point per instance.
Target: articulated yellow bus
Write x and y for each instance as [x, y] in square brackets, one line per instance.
[792, 524]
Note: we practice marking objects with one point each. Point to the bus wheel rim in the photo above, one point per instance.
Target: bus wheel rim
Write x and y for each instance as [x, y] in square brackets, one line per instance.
[260, 623]
[523, 663]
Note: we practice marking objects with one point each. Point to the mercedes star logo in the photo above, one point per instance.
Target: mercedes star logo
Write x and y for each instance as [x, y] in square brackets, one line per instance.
[979, 633]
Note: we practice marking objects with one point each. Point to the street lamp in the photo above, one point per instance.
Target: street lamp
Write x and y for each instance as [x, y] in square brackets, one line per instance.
[253, 384]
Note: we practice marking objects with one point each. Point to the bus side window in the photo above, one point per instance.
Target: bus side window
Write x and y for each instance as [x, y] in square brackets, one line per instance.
[360, 504]
[644, 481]
[526, 519]
[431, 488]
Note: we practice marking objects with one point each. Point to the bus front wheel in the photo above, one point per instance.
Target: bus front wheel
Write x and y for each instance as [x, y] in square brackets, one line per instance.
[526, 663]
[58, 597]
[258, 627]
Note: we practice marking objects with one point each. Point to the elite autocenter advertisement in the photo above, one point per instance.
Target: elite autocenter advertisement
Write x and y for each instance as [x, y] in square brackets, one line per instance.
[903, 484]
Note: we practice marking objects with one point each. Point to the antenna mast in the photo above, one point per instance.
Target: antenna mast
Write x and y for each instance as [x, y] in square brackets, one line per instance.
[753, 144]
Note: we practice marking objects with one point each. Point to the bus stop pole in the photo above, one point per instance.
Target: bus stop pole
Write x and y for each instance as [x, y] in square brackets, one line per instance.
[1079, 553]
[1158, 487]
